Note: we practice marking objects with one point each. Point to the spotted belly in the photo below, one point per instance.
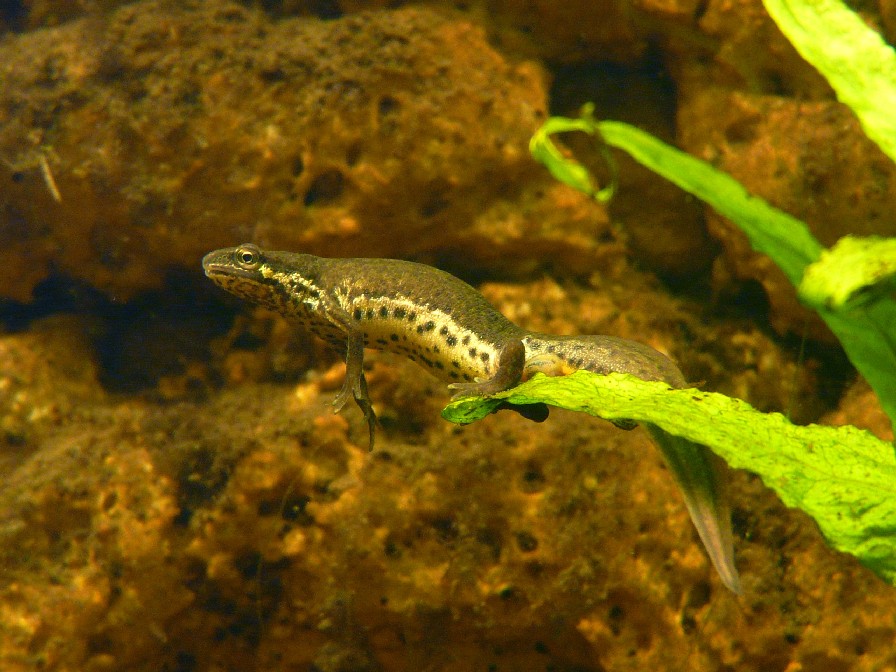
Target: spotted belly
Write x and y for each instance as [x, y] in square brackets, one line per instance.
[429, 337]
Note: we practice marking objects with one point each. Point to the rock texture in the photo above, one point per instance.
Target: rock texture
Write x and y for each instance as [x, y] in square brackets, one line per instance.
[252, 528]
[137, 141]
[176, 492]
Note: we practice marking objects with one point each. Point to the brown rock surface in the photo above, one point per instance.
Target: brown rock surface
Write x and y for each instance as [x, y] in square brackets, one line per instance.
[860, 407]
[46, 375]
[252, 529]
[808, 158]
[747, 52]
[751, 106]
[176, 493]
[140, 141]
[571, 32]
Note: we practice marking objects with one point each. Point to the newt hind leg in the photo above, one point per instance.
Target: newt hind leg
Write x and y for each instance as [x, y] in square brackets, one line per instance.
[355, 384]
[508, 373]
[363, 401]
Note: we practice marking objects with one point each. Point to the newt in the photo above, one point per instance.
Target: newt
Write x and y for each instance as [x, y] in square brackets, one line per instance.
[446, 326]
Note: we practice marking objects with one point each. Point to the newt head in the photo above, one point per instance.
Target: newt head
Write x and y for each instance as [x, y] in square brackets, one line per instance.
[276, 280]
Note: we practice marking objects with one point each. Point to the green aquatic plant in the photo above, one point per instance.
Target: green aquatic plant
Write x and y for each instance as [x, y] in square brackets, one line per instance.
[863, 332]
[843, 477]
[857, 272]
[858, 64]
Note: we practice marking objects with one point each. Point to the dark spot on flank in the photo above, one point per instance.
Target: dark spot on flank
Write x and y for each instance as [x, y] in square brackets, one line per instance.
[551, 348]
[468, 377]
[420, 329]
[451, 341]
[533, 479]
[429, 326]
[435, 348]
[473, 352]
[393, 337]
[443, 331]
[484, 357]
[412, 357]
[358, 314]
[412, 317]
[384, 312]
[439, 365]
[370, 313]
[466, 340]
[455, 364]
[399, 313]
[454, 374]
[382, 341]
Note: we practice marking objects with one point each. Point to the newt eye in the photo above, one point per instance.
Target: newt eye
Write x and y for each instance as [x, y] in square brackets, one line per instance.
[248, 256]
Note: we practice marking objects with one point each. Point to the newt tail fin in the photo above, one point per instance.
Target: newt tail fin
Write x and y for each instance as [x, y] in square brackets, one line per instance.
[701, 476]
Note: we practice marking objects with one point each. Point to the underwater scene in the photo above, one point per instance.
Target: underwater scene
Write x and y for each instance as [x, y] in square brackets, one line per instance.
[475, 336]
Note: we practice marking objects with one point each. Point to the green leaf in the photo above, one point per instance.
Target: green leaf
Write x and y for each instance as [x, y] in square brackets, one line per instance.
[867, 336]
[855, 272]
[770, 230]
[843, 477]
[566, 169]
[855, 60]
[773, 232]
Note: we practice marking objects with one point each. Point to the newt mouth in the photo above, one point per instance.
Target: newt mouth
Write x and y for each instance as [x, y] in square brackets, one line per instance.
[214, 268]
[222, 270]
